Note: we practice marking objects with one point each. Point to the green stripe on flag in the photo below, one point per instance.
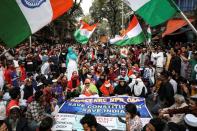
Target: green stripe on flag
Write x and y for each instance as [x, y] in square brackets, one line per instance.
[157, 12]
[13, 25]
[80, 38]
[132, 41]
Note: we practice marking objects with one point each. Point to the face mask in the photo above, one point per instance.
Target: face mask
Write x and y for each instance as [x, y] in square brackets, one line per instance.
[89, 76]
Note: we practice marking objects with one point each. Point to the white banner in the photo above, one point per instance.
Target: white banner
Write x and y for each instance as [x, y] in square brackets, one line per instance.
[69, 122]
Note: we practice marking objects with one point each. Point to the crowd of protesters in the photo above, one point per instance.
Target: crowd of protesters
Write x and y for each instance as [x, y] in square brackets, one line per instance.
[36, 80]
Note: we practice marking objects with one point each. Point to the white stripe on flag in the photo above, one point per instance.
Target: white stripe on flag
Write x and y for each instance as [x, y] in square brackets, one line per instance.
[135, 31]
[37, 17]
[116, 39]
[136, 4]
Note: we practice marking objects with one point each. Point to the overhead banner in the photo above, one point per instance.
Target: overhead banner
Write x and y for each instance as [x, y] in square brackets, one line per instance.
[106, 110]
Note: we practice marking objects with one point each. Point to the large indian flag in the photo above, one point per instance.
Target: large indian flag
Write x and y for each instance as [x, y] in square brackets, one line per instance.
[133, 35]
[154, 12]
[21, 18]
[83, 34]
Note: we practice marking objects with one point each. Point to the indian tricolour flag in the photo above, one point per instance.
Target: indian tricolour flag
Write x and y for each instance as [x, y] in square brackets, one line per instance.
[115, 39]
[133, 35]
[21, 18]
[154, 12]
[124, 52]
[83, 34]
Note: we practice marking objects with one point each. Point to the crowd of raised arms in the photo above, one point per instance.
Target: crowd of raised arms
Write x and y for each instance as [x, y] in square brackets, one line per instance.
[35, 81]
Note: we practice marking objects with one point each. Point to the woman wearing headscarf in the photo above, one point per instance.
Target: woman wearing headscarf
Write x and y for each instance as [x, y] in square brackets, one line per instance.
[73, 86]
[138, 89]
[88, 89]
[71, 63]
[107, 89]
[122, 88]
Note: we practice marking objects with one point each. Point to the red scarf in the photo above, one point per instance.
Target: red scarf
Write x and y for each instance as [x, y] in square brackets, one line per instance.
[70, 83]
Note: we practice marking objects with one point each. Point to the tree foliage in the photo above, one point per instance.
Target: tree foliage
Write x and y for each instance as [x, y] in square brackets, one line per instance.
[63, 28]
[110, 10]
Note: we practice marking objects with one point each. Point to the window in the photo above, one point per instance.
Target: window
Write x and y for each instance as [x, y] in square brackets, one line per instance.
[187, 5]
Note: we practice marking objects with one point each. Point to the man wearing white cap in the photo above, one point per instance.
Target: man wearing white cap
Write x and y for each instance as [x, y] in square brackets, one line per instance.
[191, 122]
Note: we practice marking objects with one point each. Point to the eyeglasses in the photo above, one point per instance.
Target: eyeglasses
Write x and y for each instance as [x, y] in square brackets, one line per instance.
[87, 83]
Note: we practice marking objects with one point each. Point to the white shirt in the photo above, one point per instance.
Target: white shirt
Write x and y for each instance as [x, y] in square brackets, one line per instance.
[174, 85]
[159, 59]
[16, 63]
[153, 59]
[45, 69]
[2, 81]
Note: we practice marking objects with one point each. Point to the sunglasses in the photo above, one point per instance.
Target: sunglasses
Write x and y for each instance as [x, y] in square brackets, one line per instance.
[87, 83]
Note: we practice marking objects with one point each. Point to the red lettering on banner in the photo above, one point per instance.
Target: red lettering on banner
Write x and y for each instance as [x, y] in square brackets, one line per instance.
[104, 119]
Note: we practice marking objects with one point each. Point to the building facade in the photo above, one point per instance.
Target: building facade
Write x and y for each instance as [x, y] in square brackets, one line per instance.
[187, 5]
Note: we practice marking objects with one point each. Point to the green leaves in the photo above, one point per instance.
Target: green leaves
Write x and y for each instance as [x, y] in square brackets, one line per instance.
[111, 11]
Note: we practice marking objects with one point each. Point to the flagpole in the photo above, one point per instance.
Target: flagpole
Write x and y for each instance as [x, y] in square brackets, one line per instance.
[189, 23]
[5, 51]
[30, 41]
[147, 43]
[185, 17]
[122, 15]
